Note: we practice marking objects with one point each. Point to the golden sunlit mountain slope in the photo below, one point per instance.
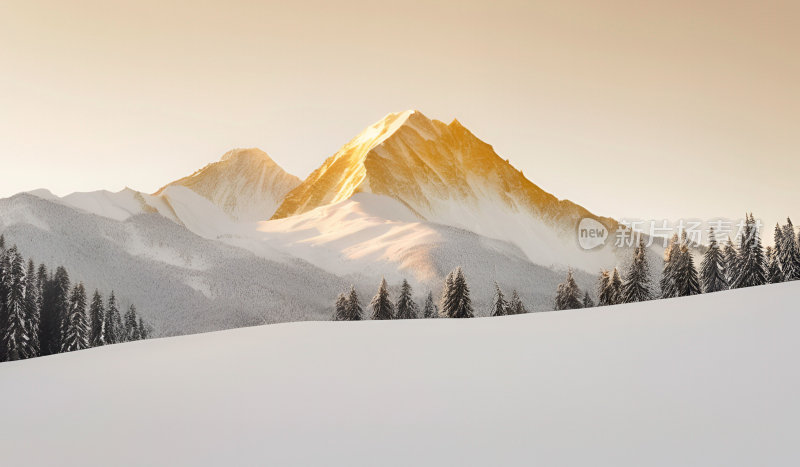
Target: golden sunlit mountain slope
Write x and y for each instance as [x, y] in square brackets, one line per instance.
[444, 174]
[246, 183]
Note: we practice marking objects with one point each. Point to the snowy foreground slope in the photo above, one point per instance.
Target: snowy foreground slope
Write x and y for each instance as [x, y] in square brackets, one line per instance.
[707, 380]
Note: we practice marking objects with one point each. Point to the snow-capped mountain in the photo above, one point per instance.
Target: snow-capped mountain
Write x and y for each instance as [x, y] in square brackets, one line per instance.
[242, 242]
[444, 174]
[246, 184]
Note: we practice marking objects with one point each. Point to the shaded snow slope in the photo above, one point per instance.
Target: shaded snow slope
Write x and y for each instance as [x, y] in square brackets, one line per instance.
[368, 236]
[357, 241]
[180, 282]
[707, 380]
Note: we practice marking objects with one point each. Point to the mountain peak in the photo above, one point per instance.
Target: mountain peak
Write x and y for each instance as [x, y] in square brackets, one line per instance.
[245, 183]
[444, 174]
[248, 154]
[407, 156]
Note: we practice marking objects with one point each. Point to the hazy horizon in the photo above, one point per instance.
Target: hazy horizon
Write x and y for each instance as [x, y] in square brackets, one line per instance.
[631, 110]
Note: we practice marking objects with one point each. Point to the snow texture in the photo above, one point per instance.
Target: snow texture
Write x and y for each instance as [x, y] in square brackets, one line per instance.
[706, 380]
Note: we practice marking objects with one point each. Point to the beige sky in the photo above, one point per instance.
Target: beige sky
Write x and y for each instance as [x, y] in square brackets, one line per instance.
[630, 108]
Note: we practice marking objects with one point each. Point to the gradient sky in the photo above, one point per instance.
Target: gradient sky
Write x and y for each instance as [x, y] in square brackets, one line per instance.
[631, 108]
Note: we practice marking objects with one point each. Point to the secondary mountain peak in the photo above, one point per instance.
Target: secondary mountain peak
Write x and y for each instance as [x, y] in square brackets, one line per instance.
[245, 183]
[247, 154]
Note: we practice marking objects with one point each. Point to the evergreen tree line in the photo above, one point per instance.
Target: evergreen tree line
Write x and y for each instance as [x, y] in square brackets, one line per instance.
[455, 302]
[745, 264]
[42, 313]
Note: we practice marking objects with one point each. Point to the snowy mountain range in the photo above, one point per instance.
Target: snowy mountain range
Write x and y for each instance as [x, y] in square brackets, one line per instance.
[242, 242]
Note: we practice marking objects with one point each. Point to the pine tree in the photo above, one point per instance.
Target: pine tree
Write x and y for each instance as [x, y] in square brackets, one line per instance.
[568, 295]
[774, 274]
[605, 295]
[61, 308]
[780, 252]
[429, 310]
[32, 301]
[686, 280]
[131, 325]
[144, 331]
[712, 270]
[447, 294]
[76, 329]
[406, 308]
[515, 306]
[340, 309]
[16, 341]
[587, 300]
[112, 314]
[97, 321]
[752, 267]
[789, 253]
[731, 261]
[54, 305]
[459, 304]
[354, 312]
[671, 257]
[382, 307]
[5, 281]
[499, 304]
[616, 287]
[637, 282]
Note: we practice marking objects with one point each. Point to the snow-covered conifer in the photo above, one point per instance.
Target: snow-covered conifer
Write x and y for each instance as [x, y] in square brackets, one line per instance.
[112, 320]
[686, 278]
[131, 325]
[61, 306]
[616, 287]
[604, 293]
[637, 281]
[587, 300]
[406, 307]
[340, 309]
[32, 302]
[731, 261]
[712, 269]
[354, 311]
[671, 258]
[97, 320]
[447, 295]
[515, 305]
[499, 305]
[16, 341]
[460, 304]
[752, 266]
[144, 331]
[789, 253]
[382, 307]
[5, 280]
[76, 330]
[429, 310]
[568, 295]
[774, 274]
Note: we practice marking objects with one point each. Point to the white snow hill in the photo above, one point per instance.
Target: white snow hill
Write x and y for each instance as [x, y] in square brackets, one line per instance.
[709, 380]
